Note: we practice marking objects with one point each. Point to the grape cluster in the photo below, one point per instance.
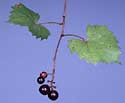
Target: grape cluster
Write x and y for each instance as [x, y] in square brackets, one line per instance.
[45, 89]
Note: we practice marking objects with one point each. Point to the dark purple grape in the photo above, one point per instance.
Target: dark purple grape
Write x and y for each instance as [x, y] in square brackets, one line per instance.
[44, 89]
[40, 80]
[53, 95]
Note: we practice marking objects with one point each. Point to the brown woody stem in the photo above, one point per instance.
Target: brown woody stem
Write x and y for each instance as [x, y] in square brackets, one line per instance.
[57, 47]
[58, 44]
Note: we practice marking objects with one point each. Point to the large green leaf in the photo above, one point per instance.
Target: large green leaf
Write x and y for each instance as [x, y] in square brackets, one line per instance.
[100, 46]
[21, 15]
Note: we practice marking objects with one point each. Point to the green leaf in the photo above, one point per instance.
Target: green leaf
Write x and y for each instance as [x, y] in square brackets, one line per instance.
[100, 46]
[23, 16]
[39, 31]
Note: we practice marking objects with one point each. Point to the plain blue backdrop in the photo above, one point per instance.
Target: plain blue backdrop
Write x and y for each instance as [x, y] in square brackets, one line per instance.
[22, 57]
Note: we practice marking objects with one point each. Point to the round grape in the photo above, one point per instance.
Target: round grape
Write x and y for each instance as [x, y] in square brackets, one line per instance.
[53, 95]
[44, 89]
[40, 80]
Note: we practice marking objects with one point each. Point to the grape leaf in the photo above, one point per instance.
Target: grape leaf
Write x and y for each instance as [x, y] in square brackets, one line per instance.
[39, 31]
[21, 15]
[100, 46]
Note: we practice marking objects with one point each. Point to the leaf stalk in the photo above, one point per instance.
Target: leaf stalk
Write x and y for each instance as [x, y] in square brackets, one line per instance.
[51, 23]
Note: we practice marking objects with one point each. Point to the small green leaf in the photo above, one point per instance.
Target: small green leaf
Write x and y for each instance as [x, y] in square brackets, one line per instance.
[23, 16]
[101, 46]
[39, 31]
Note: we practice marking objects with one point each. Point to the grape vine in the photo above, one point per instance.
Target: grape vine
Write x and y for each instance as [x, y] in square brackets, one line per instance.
[100, 45]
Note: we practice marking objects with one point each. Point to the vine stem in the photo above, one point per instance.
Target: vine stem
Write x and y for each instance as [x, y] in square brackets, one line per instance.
[59, 41]
[57, 47]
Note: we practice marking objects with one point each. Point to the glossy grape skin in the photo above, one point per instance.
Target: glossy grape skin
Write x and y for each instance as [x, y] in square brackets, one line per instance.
[40, 80]
[53, 95]
[44, 89]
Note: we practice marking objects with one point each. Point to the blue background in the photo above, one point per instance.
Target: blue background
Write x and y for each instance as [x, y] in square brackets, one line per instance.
[22, 57]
